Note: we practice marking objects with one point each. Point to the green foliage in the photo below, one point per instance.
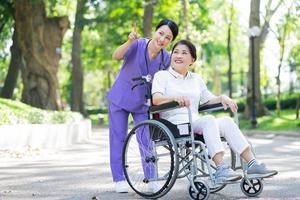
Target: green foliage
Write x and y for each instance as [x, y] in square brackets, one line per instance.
[35, 117]
[108, 23]
[212, 49]
[14, 112]
[287, 102]
[286, 122]
[6, 24]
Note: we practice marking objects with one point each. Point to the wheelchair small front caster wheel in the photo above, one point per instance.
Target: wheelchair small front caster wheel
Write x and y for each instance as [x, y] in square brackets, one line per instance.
[201, 193]
[255, 190]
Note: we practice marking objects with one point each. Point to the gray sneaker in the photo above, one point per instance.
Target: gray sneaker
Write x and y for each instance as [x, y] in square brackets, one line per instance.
[225, 173]
[260, 170]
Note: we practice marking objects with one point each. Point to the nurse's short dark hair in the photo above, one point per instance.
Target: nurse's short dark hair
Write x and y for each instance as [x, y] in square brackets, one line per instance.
[171, 24]
[191, 47]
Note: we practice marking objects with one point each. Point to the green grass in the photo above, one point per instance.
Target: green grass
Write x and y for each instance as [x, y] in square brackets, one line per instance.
[286, 122]
[96, 121]
[14, 112]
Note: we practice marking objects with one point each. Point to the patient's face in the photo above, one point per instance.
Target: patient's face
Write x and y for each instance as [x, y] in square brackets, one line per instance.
[181, 57]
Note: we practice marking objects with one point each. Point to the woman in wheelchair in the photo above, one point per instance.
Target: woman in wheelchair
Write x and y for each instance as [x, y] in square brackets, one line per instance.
[188, 89]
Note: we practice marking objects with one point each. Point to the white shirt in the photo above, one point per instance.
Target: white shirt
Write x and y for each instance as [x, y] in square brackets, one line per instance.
[171, 84]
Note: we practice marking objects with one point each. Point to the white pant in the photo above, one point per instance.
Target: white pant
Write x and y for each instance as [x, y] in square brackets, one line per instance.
[213, 128]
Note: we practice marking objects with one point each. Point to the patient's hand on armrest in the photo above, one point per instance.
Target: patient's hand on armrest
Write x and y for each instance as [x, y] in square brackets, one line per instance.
[164, 107]
[158, 99]
[225, 101]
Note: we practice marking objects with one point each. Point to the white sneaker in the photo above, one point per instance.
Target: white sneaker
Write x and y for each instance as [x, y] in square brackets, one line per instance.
[153, 187]
[225, 173]
[121, 187]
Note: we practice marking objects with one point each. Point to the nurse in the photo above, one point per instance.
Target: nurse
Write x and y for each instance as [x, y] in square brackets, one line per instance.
[141, 57]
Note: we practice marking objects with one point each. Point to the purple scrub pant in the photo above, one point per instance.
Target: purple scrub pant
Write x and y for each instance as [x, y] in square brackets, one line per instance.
[118, 128]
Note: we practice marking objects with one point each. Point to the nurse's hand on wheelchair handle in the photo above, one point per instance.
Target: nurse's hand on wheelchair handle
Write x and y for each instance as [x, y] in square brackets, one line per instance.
[228, 102]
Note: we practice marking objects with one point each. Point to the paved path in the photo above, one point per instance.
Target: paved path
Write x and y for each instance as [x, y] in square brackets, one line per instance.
[82, 172]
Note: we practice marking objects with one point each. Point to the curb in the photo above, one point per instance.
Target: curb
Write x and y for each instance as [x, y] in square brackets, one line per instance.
[272, 134]
[44, 135]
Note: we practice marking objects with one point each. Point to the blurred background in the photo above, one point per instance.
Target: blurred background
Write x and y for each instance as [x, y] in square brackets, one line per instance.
[56, 54]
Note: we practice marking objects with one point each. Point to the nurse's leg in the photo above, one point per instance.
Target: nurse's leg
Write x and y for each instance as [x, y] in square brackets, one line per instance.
[118, 128]
[145, 146]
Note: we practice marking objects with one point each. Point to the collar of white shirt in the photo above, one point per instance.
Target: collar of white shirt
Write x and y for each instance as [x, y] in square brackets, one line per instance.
[178, 75]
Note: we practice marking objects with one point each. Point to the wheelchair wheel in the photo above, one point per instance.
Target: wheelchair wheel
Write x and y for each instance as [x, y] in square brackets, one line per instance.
[202, 192]
[252, 191]
[150, 159]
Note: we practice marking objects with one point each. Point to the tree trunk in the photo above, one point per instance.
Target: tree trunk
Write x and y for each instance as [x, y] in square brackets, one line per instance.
[147, 18]
[185, 19]
[260, 108]
[269, 14]
[298, 107]
[282, 45]
[13, 70]
[217, 86]
[40, 40]
[229, 52]
[291, 84]
[77, 103]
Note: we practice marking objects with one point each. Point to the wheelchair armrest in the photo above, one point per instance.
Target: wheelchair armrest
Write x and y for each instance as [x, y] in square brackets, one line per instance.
[163, 107]
[210, 107]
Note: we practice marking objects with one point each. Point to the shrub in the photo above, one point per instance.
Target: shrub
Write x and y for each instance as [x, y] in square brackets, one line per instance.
[13, 112]
[36, 117]
[287, 102]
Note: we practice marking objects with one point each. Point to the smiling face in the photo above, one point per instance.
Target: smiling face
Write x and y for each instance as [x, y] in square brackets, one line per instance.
[181, 58]
[162, 37]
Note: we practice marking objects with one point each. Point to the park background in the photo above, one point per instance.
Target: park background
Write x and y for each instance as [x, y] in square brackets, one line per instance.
[55, 55]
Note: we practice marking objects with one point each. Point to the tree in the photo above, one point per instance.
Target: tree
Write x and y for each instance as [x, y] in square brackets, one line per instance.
[254, 20]
[15, 65]
[40, 39]
[185, 18]
[147, 18]
[229, 50]
[16, 57]
[283, 31]
[77, 103]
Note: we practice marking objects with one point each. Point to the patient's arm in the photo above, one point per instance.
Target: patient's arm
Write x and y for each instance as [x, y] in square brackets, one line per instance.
[159, 98]
[225, 101]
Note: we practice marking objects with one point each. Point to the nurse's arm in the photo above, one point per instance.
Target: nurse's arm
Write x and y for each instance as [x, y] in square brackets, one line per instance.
[121, 50]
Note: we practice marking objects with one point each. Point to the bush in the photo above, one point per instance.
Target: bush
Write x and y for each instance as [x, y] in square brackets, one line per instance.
[287, 102]
[36, 117]
[13, 112]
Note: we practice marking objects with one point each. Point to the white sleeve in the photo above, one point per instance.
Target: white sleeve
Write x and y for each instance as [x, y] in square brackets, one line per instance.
[205, 94]
[159, 83]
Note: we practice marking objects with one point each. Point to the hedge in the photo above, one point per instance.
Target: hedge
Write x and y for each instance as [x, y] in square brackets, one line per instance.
[287, 102]
[14, 112]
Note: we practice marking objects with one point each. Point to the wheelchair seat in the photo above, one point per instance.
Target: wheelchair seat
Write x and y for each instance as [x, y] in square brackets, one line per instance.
[175, 131]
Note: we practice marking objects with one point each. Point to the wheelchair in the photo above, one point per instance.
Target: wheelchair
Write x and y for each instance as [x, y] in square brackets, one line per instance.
[156, 153]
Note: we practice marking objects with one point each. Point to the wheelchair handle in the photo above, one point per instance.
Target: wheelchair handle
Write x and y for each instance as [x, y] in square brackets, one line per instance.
[147, 78]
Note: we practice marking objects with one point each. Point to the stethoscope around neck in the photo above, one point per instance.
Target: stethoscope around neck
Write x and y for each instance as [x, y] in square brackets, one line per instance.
[148, 78]
[162, 65]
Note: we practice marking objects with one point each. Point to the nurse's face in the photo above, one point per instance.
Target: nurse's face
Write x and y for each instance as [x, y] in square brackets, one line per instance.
[181, 57]
[162, 37]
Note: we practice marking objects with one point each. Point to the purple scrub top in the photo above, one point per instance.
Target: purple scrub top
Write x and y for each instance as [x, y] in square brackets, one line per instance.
[134, 65]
